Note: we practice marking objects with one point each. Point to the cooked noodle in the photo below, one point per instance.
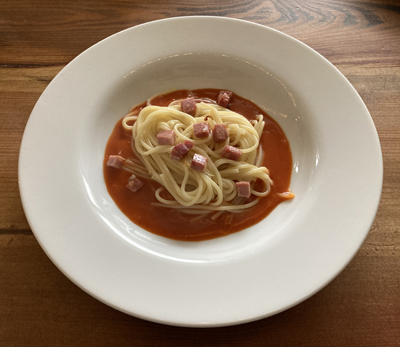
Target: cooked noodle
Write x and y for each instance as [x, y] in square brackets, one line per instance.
[215, 188]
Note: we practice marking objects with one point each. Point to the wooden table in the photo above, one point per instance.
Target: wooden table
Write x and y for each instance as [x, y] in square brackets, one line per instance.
[39, 306]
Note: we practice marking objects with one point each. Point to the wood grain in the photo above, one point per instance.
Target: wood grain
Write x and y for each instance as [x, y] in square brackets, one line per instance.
[39, 306]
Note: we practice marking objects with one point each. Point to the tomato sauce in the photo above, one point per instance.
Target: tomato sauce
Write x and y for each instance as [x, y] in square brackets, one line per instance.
[175, 224]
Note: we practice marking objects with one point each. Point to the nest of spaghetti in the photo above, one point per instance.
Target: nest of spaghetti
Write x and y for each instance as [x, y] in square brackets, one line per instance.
[207, 157]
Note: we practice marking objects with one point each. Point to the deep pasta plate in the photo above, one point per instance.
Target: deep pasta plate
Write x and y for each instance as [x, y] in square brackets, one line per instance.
[257, 272]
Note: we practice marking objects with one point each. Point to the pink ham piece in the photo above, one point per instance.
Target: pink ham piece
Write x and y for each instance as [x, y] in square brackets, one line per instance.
[230, 152]
[199, 162]
[166, 137]
[181, 150]
[224, 98]
[134, 184]
[220, 133]
[115, 161]
[189, 106]
[243, 189]
[201, 130]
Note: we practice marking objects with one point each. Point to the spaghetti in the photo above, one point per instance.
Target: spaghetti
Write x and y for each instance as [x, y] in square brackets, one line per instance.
[214, 189]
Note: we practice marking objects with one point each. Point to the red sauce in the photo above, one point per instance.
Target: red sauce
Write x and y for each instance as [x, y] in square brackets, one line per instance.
[177, 225]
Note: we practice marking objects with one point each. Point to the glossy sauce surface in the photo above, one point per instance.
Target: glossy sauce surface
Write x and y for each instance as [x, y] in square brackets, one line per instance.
[175, 224]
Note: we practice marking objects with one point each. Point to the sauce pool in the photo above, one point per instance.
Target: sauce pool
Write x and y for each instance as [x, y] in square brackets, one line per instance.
[175, 224]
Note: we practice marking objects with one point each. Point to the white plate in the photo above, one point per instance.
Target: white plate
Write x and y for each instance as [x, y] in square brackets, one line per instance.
[265, 269]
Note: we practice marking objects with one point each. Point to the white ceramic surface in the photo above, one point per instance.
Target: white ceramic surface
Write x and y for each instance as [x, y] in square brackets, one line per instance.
[294, 252]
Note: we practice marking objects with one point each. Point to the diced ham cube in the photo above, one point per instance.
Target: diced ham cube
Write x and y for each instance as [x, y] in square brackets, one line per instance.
[189, 106]
[181, 150]
[115, 161]
[243, 189]
[220, 133]
[224, 98]
[134, 184]
[166, 137]
[230, 152]
[201, 130]
[199, 162]
[188, 144]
